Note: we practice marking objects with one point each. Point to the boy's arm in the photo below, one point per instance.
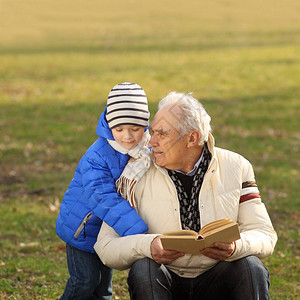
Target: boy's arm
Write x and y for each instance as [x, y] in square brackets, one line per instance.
[105, 202]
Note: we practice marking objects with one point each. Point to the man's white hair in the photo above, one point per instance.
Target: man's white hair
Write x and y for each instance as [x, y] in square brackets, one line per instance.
[193, 116]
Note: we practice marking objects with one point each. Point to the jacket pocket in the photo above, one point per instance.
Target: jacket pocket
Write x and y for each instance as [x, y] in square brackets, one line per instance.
[82, 226]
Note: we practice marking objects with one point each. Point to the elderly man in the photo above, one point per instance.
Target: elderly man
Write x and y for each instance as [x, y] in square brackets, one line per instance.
[190, 184]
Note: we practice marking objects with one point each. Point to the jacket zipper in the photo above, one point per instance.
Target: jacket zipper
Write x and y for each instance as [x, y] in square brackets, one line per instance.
[82, 226]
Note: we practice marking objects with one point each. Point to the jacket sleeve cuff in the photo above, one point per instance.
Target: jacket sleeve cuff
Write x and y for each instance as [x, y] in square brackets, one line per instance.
[236, 254]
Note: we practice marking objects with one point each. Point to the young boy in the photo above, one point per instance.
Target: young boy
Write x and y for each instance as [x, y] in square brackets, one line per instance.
[92, 197]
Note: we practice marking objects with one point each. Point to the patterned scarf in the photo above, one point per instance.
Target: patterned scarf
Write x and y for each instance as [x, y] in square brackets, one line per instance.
[189, 208]
[135, 168]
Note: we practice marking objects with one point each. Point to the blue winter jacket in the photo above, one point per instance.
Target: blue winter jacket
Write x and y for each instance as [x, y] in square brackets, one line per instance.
[92, 196]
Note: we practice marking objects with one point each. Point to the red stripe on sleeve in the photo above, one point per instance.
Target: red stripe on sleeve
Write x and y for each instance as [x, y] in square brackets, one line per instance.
[249, 197]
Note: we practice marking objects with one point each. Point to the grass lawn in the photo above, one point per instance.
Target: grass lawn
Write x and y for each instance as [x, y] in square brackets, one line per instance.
[59, 60]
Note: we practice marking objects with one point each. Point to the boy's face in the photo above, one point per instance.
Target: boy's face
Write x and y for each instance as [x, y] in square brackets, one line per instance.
[128, 136]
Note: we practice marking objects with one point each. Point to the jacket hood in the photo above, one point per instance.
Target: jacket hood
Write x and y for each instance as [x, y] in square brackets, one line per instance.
[103, 129]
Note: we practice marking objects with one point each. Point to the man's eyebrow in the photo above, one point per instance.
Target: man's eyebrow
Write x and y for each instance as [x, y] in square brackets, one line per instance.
[160, 131]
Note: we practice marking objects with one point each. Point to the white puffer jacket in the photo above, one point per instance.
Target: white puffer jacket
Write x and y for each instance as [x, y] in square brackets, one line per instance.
[228, 191]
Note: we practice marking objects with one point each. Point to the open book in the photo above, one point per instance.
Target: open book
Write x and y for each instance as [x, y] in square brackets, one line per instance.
[191, 242]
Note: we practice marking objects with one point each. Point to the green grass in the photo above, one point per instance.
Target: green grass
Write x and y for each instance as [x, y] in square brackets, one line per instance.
[60, 59]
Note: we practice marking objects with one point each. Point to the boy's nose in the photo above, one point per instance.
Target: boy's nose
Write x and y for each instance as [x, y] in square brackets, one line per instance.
[128, 134]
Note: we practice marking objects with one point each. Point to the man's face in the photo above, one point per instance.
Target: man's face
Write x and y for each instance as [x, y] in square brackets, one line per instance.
[167, 146]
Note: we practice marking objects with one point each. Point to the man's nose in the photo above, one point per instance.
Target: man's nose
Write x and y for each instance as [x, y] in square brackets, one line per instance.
[153, 141]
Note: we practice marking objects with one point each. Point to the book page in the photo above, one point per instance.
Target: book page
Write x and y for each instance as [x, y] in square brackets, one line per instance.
[183, 232]
[214, 225]
[220, 228]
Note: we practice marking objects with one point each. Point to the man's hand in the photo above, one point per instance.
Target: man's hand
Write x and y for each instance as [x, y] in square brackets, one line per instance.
[162, 256]
[220, 251]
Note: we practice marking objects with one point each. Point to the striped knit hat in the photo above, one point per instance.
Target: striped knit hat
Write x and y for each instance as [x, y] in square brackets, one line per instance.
[127, 105]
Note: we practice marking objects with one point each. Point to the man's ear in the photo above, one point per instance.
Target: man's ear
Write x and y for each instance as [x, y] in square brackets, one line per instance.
[193, 138]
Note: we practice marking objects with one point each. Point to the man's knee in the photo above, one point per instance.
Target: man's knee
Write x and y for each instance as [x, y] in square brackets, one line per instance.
[259, 273]
[253, 276]
[250, 266]
[257, 266]
[149, 280]
[142, 270]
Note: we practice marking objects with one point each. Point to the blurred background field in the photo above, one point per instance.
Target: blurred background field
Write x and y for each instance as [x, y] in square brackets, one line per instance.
[59, 60]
